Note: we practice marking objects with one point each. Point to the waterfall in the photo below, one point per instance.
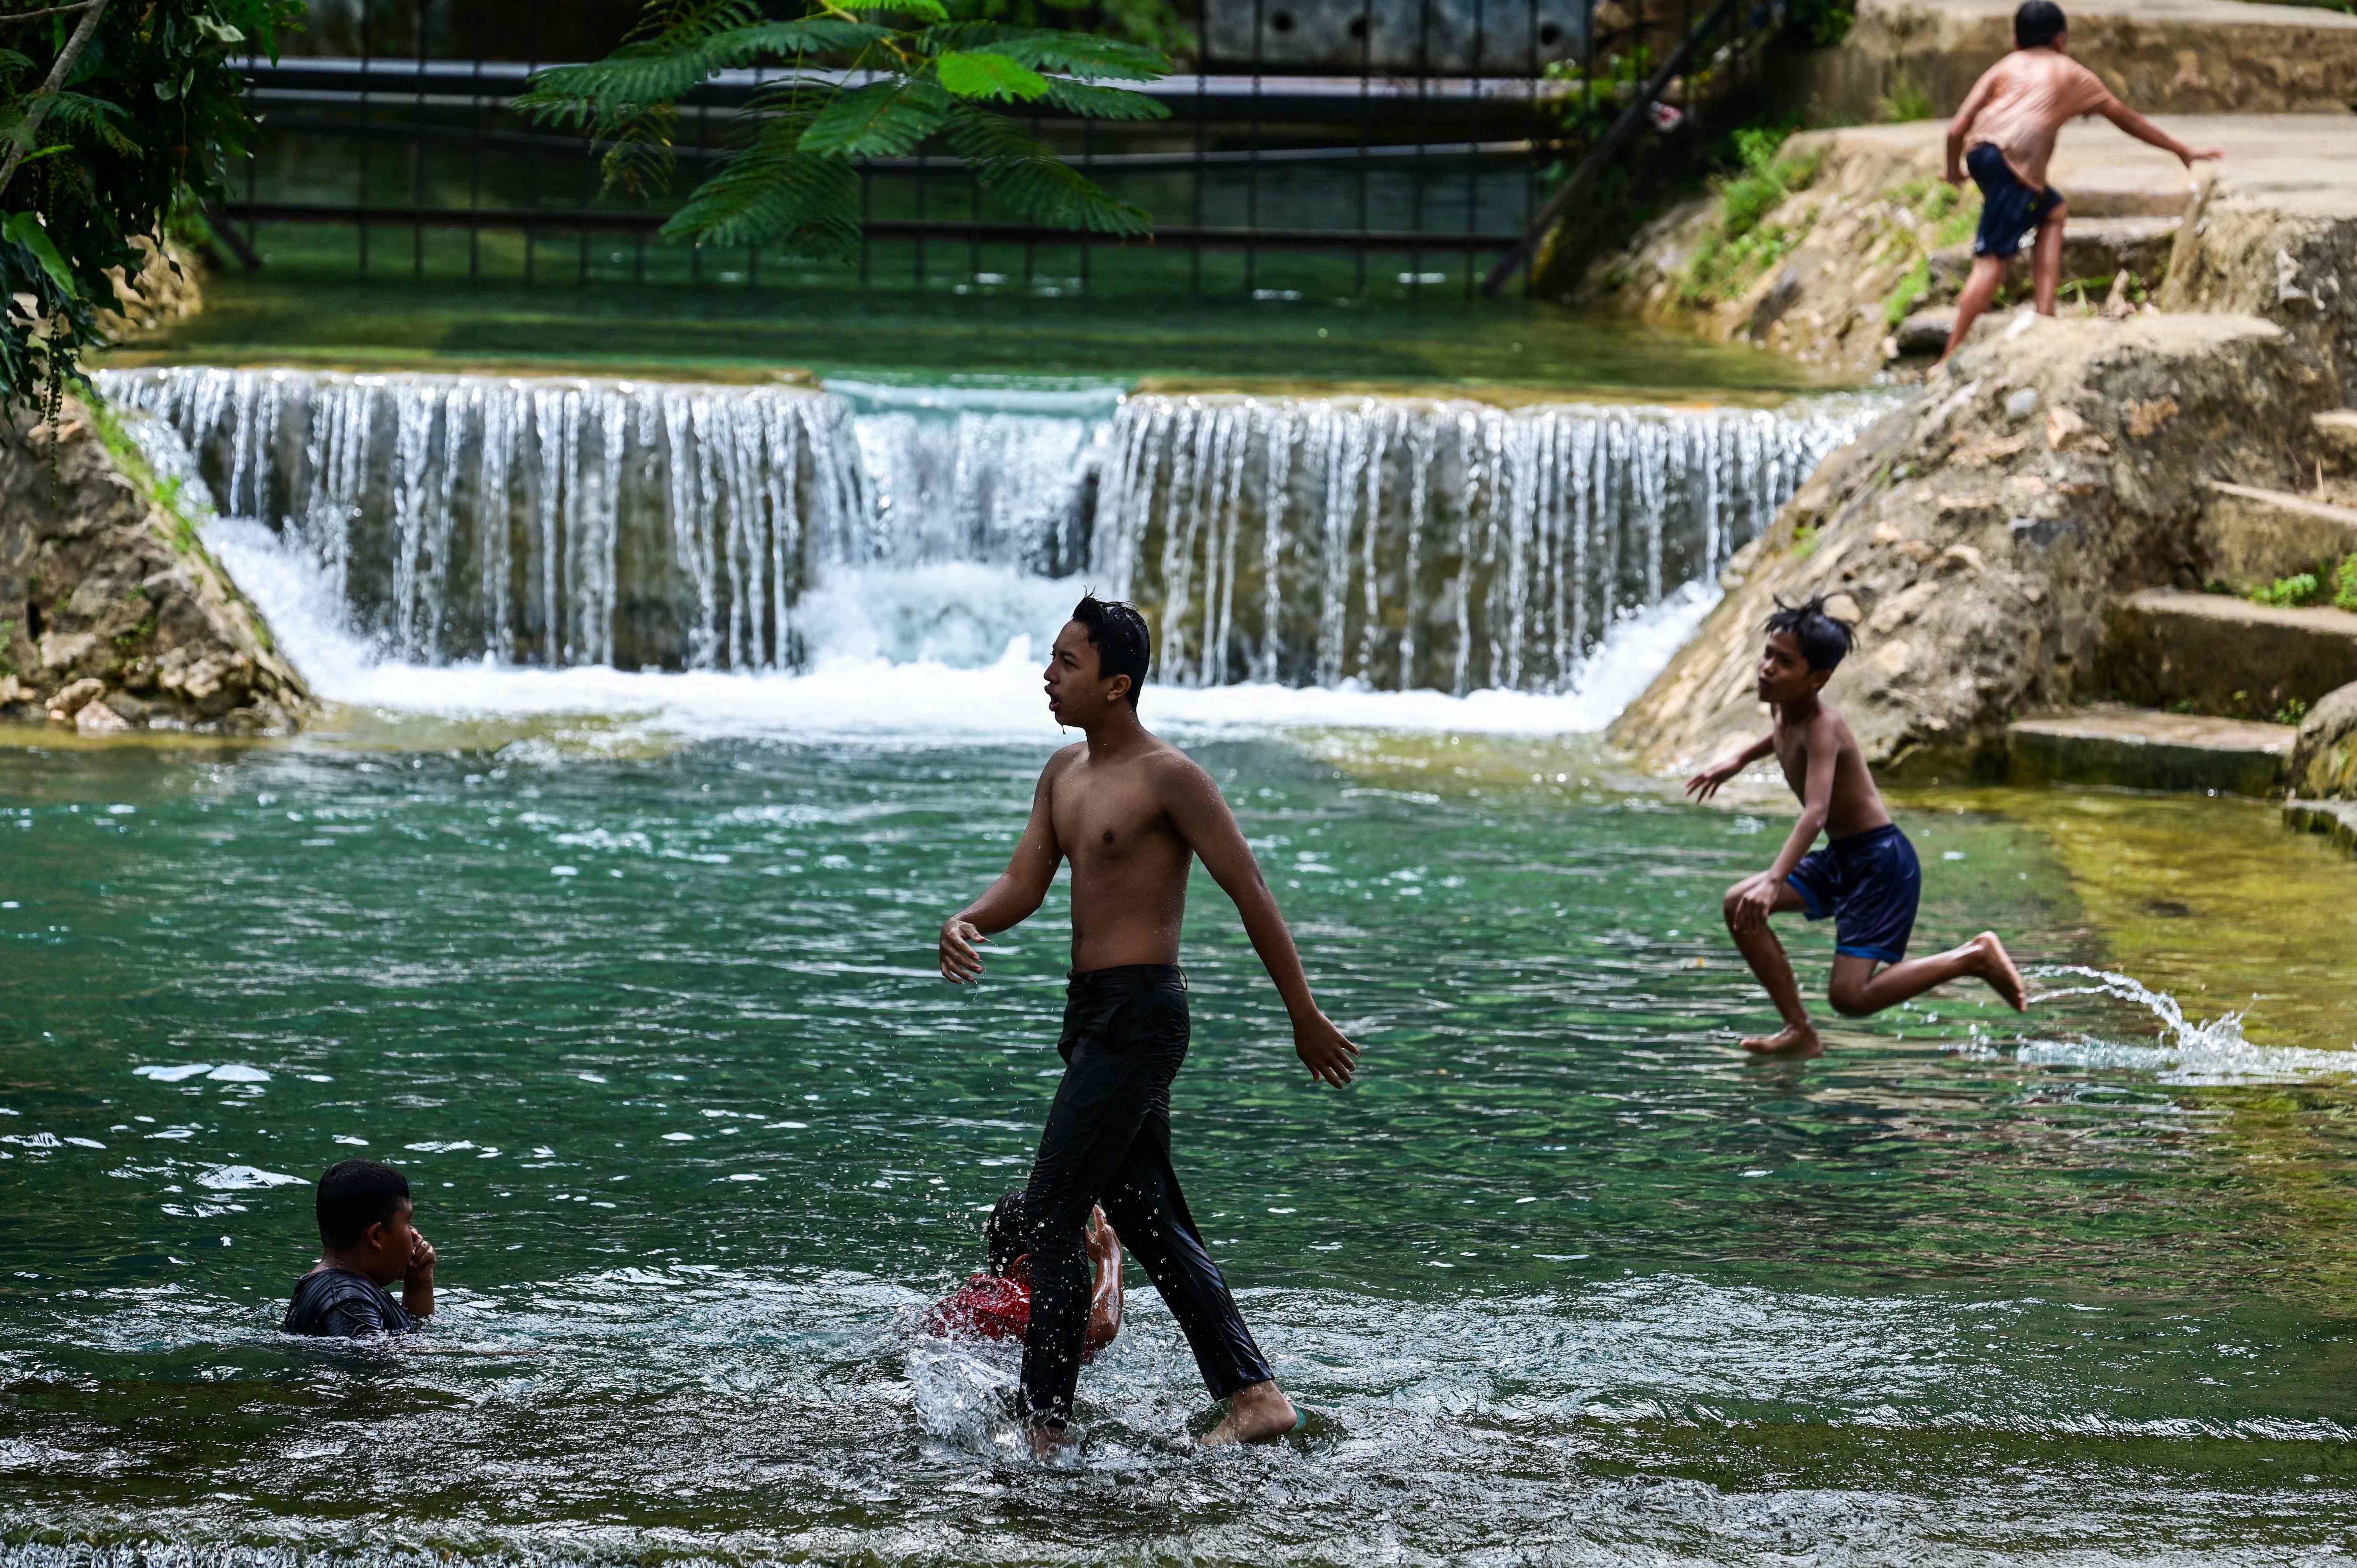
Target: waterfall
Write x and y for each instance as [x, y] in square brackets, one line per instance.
[1387, 542]
[1404, 544]
[535, 521]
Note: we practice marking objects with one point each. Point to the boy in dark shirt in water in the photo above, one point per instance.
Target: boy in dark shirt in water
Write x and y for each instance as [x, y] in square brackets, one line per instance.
[366, 1242]
[997, 1304]
[1866, 876]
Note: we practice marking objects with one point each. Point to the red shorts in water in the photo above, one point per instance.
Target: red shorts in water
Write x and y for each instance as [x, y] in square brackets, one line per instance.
[987, 1306]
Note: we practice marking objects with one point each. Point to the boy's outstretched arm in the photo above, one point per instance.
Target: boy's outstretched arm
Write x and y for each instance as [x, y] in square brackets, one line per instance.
[1961, 126]
[1018, 890]
[1203, 819]
[1755, 896]
[2144, 130]
[1705, 784]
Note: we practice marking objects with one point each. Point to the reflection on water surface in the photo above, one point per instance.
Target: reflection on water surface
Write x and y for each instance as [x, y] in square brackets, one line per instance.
[1565, 1278]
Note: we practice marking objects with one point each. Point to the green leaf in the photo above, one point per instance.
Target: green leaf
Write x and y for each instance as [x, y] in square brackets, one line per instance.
[1083, 54]
[218, 31]
[1019, 171]
[25, 230]
[1094, 102]
[930, 10]
[883, 119]
[988, 74]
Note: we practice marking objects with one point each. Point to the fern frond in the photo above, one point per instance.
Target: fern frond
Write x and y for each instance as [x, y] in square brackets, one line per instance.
[1082, 55]
[883, 119]
[679, 18]
[1094, 102]
[1016, 168]
[642, 159]
[94, 117]
[771, 193]
[987, 73]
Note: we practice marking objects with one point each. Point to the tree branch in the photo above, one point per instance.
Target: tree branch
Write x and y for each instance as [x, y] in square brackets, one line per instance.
[56, 79]
[49, 11]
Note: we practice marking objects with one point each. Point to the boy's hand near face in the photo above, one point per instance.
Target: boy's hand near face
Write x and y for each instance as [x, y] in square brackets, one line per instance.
[417, 1280]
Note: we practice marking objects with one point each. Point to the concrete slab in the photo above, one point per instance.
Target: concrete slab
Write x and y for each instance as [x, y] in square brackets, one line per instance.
[2138, 748]
[2253, 536]
[2303, 165]
[2213, 654]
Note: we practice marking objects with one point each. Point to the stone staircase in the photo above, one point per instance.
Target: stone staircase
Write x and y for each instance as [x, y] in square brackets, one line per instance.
[2210, 687]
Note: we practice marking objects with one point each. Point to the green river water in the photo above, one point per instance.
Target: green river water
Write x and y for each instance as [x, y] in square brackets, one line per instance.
[1565, 1278]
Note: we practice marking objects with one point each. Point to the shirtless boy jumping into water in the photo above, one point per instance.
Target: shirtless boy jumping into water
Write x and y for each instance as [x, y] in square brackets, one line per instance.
[1866, 876]
[1131, 813]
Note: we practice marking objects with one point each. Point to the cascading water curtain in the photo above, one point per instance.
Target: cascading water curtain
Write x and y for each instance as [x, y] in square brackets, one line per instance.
[1418, 544]
[534, 521]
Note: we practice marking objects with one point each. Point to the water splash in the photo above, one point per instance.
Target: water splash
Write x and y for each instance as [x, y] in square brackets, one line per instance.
[2189, 1051]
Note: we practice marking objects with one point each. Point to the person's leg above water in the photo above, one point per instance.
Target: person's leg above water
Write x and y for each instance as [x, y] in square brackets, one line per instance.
[2046, 257]
[1980, 287]
[1109, 1085]
[1882, 885]
[1765, 954]
[2009, 209]
[1149, 1213]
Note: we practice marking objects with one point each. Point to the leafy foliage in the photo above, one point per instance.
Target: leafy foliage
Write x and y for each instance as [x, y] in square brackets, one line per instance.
[861, 79]
[1742, 245]
[150, 113]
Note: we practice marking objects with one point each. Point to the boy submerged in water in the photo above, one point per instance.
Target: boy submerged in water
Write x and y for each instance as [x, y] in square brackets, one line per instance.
[366, 1242]
[1866, 876]
[2003, 135]
[1131, 813]
[996, 1304]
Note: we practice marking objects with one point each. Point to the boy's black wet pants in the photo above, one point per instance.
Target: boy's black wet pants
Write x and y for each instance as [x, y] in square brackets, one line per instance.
[1108, 1142]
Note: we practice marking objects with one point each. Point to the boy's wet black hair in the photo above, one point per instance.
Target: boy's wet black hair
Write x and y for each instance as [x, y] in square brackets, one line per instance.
[1002, 1235]
[2038, 24]
[1118, 634]
[1824, 640]
[355, 1195]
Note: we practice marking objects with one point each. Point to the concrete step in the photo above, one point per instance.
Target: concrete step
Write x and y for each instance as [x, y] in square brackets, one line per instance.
[2251, 537]
[2208, 653]
[2337, 820]
[2335, 433]
[2138, 748]
[2092, 248]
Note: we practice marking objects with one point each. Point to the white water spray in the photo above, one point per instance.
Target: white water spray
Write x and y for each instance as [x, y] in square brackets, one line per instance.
[2189, 1051]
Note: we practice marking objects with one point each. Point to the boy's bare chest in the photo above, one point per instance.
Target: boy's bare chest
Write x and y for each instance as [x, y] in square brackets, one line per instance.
[1103, 820]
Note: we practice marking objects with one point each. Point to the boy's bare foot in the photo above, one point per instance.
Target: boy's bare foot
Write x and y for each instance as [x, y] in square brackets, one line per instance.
[1257, 1414]
[1797, 1040]
[1996, 968]
[1046, 1442]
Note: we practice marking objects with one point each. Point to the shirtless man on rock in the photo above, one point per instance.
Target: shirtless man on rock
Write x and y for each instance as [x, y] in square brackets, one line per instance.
[1131, 813]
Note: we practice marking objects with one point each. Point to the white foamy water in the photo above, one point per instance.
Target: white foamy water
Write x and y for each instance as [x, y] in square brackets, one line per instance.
[904, 653]
[2189, 1051]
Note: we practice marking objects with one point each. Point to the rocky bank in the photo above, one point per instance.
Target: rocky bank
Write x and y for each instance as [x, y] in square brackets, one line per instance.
[2014, 533]
[113, 615]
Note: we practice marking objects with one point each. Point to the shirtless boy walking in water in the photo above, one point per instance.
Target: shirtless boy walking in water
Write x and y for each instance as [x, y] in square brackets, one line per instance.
[1131, 813]
[1866, 876]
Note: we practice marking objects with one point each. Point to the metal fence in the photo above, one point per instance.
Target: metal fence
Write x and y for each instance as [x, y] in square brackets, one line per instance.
[1314, 146]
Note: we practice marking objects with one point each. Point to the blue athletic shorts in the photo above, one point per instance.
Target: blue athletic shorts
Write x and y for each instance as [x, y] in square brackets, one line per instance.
[2010, 211]
[1870, 882]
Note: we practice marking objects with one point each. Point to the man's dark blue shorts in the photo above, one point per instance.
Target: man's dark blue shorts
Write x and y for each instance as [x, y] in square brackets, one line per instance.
[1871, 882]
[2010, 211]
